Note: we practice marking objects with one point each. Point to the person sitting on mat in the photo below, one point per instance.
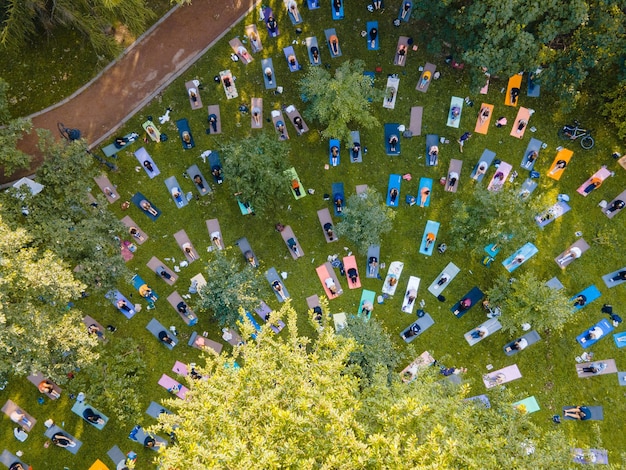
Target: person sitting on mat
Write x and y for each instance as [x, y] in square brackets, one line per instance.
[328, 228]
[367, 308]
[424, 192]
[330, 285]
[254, 40]
[393, 195]
[620, 276]
[93, 417]
[356, 148]
[45, 386]
[353, 275]
[445, 277]
[148, 166]
[278, 288]
[94, 329]
[189, 251]
[61, 440]
[251, 259]
[393, 141]
[373, 34]
[193, 96]
[216, 171]
[269, 75]
[484, 114]
[430, 238]
[161, 271]
[315, 52]
[216, 238]
[518, 345]
[134, 232]
[280, 127]
[453, 177]
[464, 304]
[338, 204]
[146, 292]
[594, 334]
[150, 442]
[615, 206]
[334, 44]
[532, 156]
[401, 53]
[292, 61]
[164, 337]
[581, 413]
[147, 207]
[479, 332]
[243, 52]
[413, 330]
[256, 115]
[405, 10]
[334, 154]
[297, 121]
[187, 139]
[182, 308]
[580, 300]
[372, 264]
[317, 314]
[228, 84]
[122, 305]
[571, 254]
[595, 368]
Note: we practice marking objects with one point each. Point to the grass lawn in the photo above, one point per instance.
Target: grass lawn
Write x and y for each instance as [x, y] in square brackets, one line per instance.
[547, 367]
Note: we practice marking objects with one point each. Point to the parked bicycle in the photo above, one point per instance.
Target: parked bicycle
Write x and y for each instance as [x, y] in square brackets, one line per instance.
[576, 131]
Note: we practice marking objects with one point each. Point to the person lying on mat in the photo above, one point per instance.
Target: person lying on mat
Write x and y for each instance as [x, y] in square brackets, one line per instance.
[269, 75]
[197, 179]
[413, 330]
[433, 152]
[146, 292]
[484, 114]
[19, 417]
[153, 133]
[581, 413]
[216, 238]
[256, 115]
[373, 35]
[228, 83]
[514, 94]
[122, 305]
[353, 275]
[334, 154]
[393, 195]
[411, 295]
[393, 280]
[356, 148]
[189, 251]
[338, 204]
[405, 9]
[315, 52]
[251, 259]
[317, 314]
[479, 332]
[424, 80]
[424, 193]
[150, 442]
[47, 387]
[254, 40]
[94, 329]
[430, 238]
[464, 304]
[518, 345]
[292, 60]
[445, 277]
[391, 92]
[148, 166]
[146, 206]
[280, 127]
[176, 194]
[593, 184]
[61, 440]
[134, 232]
[293, 8]
[532, 156]
[328, 228]
[297, 121]
[453, 177]
[293, 246]
[334, 44]
[187, 139]
[595, 368]
[161, 271]
[393, 141]
[243, 52]
[330, 285]
[272, 25]
[615, 206]
[517, 260]
[367, 308]
[216, 171]
[401, 53]
[213, 122]
[193, 96]
[372, 264]
[278, 288]
[165, 338]
[182, 308]
[594, 333]
[455, 112]
[448, 371]
[559, 165]
[92, 416]
[109, 192]
[521, 125]
[571, 254]
[337, 6]
[295, 185]
[17, 466]
[580, 300]
[620, 276]
[498, 178]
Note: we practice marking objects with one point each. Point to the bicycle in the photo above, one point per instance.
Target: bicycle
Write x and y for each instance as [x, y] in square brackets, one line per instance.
[575, 131]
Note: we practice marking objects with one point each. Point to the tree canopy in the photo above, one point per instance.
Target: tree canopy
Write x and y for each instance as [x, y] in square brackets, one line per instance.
[365, 219]
[11, 131]
[342, 101]
[293, 404]
[255, 167]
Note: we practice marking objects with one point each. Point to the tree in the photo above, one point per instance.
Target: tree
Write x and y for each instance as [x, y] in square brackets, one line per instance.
[340, 102]
[292, 404]
[231, 286]
[528, 300]
[365, 219]
[11, 131]
[374, 348]
[39, 331]
[114, 382]
[23, 19]
[64, 219]
[255, 167]
[615, 108]
[493, 216]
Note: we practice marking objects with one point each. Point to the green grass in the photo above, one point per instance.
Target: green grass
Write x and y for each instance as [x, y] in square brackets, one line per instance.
[547, 367]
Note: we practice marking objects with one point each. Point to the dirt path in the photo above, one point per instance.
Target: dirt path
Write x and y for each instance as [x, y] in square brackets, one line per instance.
[145, 68]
